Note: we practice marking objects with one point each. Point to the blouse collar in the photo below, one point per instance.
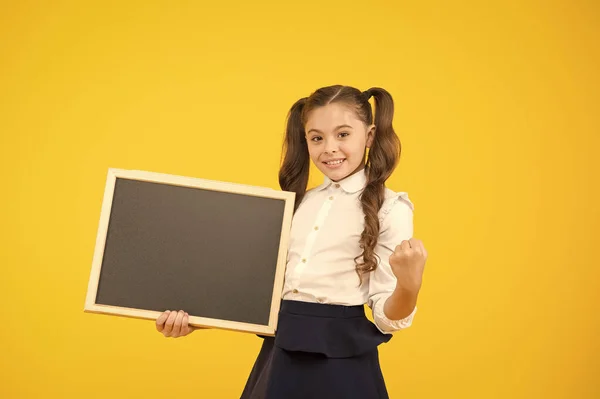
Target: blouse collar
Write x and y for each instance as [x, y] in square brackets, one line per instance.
[350, 184]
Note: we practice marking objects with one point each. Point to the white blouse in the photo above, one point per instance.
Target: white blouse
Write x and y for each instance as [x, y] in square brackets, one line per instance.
[324, 241]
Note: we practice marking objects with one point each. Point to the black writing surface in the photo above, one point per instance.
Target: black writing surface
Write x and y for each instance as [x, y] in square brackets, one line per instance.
[211, 253]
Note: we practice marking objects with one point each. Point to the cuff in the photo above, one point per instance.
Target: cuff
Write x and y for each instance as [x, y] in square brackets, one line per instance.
[388, 326]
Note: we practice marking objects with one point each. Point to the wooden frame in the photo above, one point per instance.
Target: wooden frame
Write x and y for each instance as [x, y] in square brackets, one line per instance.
[113, 174]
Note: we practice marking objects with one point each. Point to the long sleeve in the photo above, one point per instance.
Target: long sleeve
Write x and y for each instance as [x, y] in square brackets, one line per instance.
[396, 220]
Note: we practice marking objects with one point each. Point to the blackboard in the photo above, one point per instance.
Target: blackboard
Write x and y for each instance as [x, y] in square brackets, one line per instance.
[214, 249]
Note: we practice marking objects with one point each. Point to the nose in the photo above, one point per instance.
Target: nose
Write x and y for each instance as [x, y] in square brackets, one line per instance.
[330, 146]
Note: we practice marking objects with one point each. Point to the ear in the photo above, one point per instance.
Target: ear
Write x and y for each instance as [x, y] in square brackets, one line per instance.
[370, 135]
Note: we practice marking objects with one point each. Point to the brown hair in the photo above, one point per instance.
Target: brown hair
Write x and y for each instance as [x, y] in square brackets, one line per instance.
[381, 162]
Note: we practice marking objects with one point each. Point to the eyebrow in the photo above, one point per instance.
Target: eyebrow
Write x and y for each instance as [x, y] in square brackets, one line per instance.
[337, 128]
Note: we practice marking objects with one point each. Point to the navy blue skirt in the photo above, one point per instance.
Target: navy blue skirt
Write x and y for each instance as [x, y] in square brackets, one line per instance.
[319, 351]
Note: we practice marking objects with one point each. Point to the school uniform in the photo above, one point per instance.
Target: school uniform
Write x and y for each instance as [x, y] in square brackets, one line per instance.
[325, 347]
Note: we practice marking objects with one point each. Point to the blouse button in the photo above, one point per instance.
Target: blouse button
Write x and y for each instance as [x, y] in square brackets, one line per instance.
[337, 186]
[331, 198]
[316, 227]
[304, 260]
[295, 291]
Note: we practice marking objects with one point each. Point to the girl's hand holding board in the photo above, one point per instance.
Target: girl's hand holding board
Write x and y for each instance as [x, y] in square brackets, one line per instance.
[174, 324]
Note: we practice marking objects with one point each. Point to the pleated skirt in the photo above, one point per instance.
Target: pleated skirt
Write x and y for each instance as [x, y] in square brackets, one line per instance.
[320, 351]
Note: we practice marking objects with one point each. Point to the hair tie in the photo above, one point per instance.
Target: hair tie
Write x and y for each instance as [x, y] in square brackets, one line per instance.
[367, 94]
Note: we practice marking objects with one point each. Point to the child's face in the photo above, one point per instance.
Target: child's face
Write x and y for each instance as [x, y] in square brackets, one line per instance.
[337, 140]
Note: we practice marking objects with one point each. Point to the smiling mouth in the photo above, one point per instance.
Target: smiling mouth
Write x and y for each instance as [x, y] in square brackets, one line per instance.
[334, 162]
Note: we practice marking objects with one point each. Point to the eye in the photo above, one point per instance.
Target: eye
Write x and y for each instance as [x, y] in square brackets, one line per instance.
[344, 134]
[316, 138]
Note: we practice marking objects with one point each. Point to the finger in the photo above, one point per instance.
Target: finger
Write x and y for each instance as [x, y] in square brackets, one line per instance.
[177, 326]
[416, 245]
[169, 324]
[160, 321]
[192, 328]
[185, 325]
[405, 245]
[423, 250]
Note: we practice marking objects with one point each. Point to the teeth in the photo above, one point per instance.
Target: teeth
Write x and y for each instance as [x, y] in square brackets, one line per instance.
[335, 162]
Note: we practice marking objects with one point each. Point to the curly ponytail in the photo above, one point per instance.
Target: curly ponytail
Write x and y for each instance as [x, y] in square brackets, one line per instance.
[295, 165]
[383, 158]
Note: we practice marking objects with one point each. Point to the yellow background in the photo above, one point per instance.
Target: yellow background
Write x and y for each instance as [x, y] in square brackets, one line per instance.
[497, 107]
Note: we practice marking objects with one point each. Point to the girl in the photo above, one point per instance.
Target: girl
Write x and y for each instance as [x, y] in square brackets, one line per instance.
[350, 244]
